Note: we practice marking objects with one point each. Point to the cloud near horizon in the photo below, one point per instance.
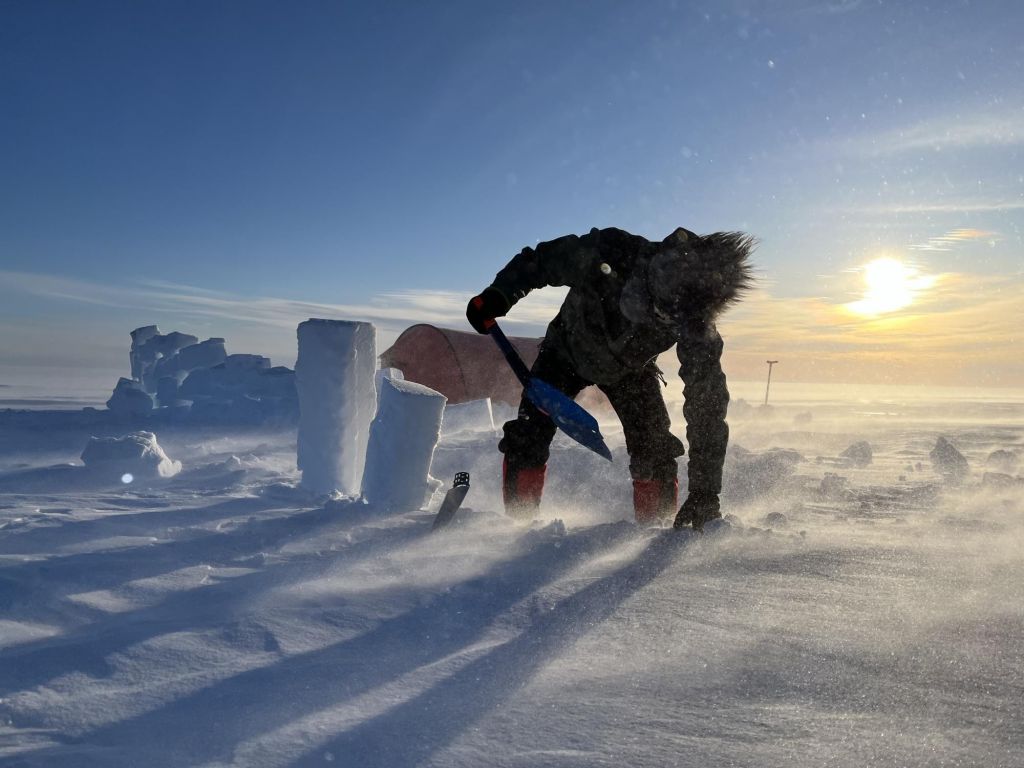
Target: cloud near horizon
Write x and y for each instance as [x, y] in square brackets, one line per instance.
[964, 330]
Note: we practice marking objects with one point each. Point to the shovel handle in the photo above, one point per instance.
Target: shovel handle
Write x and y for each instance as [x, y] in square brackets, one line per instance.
[514, 360]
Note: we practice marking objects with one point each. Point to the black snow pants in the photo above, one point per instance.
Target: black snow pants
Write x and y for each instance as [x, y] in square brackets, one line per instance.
[637, 401]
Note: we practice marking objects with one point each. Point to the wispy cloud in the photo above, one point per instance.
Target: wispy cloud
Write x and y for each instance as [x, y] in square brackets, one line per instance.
[947, 241]
[958, 131]
[394, 310]
[940, 206]
[834, 8]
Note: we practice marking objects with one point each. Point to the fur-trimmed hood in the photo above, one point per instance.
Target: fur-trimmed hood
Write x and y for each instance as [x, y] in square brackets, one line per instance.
[706, 273]
[689, 277]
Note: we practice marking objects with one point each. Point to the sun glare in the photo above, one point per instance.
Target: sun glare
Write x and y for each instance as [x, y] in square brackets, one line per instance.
[889, 285]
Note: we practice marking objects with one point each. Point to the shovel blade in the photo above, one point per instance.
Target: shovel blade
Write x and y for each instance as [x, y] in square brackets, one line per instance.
[568, 416]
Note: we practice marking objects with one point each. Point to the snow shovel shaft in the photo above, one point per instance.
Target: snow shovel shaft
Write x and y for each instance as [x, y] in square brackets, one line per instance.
[567, 414]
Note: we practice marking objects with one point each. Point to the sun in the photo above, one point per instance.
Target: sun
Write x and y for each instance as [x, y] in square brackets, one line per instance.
[890, 285]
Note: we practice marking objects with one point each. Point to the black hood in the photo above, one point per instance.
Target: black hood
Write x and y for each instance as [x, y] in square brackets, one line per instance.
[701, 275]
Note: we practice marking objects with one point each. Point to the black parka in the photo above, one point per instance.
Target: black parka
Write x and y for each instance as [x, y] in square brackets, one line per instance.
[592, 333]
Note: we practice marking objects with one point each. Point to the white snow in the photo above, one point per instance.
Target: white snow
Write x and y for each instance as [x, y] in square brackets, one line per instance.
[472, 416]
[334, 377]
[403, 436]
[129, 399]
[205, 354]
[136, 455]
[214, 620]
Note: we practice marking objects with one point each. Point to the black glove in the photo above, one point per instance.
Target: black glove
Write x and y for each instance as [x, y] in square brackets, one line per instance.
[698, 509]
[484, 308]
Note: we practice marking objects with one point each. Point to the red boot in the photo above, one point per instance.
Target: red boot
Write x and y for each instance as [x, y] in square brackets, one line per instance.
[522, 489]
[654, 500]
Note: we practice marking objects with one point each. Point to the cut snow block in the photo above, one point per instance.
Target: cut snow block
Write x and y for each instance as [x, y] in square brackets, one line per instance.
[334, 380]
[155, 349]
[139, 337]
[167, 391]
[858, 455]
[475, 415]
[205, 354]
[136, 455]
[247, 363]
[402, 441]
[385, 373]
[128, 399]
[949, 462]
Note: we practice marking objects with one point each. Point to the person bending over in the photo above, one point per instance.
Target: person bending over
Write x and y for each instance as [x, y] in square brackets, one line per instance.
[629, 300]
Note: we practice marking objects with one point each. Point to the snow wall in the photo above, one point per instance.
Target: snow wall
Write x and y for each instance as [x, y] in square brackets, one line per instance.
[402, 440]
[334, 378]
[461, 365]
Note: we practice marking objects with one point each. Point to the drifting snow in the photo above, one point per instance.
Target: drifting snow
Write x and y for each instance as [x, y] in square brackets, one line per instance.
[208, 621]
[471, 416]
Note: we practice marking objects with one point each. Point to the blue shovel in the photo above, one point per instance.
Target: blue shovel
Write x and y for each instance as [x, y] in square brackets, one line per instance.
[567, 414]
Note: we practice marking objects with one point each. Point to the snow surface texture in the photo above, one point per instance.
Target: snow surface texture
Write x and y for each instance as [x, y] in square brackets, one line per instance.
[215, 619]
[137, 455]
[402, 439]
[334, 375]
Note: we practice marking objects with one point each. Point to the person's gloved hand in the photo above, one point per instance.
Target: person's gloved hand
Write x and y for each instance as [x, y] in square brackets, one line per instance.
[484, 308]
[697, 510]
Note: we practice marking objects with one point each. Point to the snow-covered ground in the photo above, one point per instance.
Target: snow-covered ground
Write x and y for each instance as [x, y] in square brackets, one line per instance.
[219, 617]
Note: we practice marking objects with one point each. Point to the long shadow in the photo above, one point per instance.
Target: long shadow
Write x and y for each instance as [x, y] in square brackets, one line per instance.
[87, 648]
[260, 700]
[410, 733]
[35, 580]
[79, 531]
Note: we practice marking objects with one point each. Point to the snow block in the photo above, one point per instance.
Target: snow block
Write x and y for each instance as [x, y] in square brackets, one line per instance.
[128, 399]
[205, 354]
[949, 462]
[167, 391]
[1002, 461]
[402, 441]
[147, 355]
[334, 379]
[139, 337]
[247, 363]
[136, 455]
[858, 455]
[381, 375]
[475, 415]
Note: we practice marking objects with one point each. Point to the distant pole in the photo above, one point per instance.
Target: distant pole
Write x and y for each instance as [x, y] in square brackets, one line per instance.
[770, 364]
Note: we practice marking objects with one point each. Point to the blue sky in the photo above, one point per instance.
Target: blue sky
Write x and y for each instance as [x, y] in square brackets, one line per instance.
[231, 168]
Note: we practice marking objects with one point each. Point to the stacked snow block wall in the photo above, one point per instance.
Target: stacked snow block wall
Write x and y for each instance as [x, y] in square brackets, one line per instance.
[334, 376]
[179, 375]
[402, 440]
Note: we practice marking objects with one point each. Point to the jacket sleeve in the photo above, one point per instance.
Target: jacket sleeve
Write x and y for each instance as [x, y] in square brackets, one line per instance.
[705, 402]
[564, 261]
